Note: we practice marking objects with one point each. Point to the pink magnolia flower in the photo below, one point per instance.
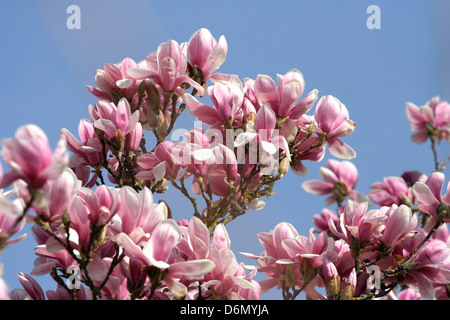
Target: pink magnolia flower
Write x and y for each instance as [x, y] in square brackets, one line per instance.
[316, 249]
[432, 119]
[50, 253]
[333, 120]
[275, 262]
[55, 196]
[283, 98]
[167, 67]
[400, 225]
[321, 220]
[31, 286]
[110, 119]
[340, 178]
[307, 148]
[88, 209]
[10, 211]
[114, 82]
[31, 159]
[358, 224]
[428, 196]
[229, 103]
[158, 164]
[116, 287]
[264, 140]
[228, 279]
[394, 190]
[138, 215]
[219, 167]
[157, 252]
[89, 151]
[432, 265]
[205, 52]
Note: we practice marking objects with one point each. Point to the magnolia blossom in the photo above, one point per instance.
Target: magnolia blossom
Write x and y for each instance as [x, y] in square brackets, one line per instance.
[31, 159]
[400, 226]
[114, 82]
[230, 104]
[87, 153]
[321, 220]
[275, 261]
[358, 224]
[138, 215]
[205, 52]
[430, 120]
[50, 253]
[228, 279]
[428, 196]
[393, 190]
[121, 126]
[340, 178]
[88, 209]
[157, 251]
[264, 140]
[283, 99]
[54, 197]
[333, 120]
[308, 147]
[10, 211]
[167, 68]
[430, 265]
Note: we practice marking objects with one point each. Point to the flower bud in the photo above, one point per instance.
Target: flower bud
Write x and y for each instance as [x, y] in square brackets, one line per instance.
[443, 210]
[348, 293]
[284, 166]
[333, 287]
[153, 96]
[152, 118]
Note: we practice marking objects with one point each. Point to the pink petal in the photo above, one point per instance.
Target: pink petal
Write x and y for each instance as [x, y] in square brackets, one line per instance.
[202, 112]
[317, 187]
[341, 150]
[266, 90]
[164, 239]
[220, 238]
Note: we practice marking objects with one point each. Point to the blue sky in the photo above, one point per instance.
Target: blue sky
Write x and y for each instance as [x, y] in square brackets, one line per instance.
[373, 72]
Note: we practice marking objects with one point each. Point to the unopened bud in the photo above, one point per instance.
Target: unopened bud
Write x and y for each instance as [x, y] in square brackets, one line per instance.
[284, 166]
[119, 140]
[348, 293]
[152, 118]
[443, 211]
[153, 96]
[333, 287]
[307, 270]
[66, 219]
[162, 125]
[290, 275]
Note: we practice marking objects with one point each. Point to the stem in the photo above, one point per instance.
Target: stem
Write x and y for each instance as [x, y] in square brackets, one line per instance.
[184, 191]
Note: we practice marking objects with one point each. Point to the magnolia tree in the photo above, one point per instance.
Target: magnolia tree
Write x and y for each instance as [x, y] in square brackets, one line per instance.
[100, 234]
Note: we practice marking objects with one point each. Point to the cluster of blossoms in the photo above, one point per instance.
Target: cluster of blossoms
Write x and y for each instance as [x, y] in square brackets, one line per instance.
[101, 233]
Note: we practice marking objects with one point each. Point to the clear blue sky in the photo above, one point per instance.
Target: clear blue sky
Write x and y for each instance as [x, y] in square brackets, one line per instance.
[45, 68]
